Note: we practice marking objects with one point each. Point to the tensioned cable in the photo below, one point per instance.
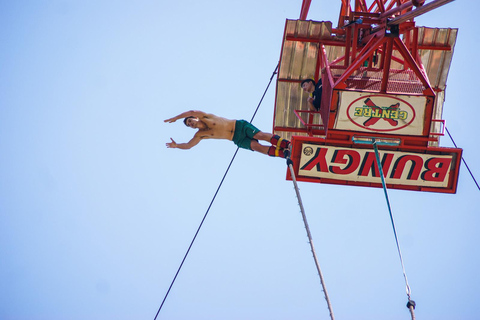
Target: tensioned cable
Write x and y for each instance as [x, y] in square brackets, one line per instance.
[213, 199]
[465, 162]
[411, 303]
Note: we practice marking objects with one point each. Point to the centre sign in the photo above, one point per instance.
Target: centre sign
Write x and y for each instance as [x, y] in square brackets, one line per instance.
[393, 114]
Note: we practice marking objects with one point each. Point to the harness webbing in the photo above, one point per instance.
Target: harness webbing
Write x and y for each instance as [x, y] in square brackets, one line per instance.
[300, 203]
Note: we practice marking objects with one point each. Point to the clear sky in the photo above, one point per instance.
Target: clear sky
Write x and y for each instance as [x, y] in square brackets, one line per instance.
[96, 213]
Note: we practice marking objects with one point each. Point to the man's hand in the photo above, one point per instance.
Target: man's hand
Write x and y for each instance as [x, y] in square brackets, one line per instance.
[171, 120]
[172, 144]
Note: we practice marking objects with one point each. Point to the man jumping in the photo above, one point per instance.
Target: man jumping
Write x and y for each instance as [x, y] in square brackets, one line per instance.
[241, 132]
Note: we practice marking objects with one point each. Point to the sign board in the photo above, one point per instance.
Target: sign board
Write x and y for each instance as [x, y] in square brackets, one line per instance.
[393, 114]
[317, 161]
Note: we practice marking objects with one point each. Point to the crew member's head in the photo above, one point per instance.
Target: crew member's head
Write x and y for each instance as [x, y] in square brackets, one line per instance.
[308, 85]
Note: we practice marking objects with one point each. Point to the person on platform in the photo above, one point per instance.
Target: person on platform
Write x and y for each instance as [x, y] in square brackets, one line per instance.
[315, 90]
[241, 132]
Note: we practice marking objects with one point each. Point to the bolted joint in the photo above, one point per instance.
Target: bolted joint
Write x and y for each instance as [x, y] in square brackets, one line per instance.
[418, 3]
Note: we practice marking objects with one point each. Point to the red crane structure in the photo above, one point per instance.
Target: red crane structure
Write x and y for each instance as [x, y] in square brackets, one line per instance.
[383, 80]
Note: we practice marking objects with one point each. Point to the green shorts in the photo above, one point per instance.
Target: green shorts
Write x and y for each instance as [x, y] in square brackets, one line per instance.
[243, 135]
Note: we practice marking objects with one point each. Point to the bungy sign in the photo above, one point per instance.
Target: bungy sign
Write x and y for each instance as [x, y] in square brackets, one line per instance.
[360, 165]
[381, 113]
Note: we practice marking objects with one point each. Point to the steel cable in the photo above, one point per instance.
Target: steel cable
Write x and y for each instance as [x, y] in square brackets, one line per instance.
[465, 162]
[211, 203]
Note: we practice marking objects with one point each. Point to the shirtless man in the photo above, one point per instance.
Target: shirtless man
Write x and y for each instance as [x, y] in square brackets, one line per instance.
[241, 132]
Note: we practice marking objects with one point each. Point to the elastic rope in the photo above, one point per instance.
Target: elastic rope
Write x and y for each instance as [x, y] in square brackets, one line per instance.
[211, 203]
[465, 162]
[309, 235]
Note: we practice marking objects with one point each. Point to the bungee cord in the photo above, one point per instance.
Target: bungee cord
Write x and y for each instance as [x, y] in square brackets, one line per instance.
[211, 203]
[309, 235]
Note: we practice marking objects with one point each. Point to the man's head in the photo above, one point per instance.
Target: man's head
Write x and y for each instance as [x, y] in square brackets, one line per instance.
[191, 121]
[308, 85]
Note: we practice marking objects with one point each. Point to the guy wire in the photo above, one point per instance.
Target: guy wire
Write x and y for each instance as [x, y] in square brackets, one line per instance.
[213, 199]
[463, 159]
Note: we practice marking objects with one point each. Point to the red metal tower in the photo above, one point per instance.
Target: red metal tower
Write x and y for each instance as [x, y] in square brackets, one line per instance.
[383, 78]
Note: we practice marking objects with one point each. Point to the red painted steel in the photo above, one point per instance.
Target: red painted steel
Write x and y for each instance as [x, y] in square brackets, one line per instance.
[304, 10]
[381, 55]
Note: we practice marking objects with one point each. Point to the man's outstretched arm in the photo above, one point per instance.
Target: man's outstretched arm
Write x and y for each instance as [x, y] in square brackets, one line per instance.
[190, 144]
[191, 113]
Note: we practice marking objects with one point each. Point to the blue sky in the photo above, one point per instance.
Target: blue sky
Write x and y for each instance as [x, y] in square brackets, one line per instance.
[96, 213]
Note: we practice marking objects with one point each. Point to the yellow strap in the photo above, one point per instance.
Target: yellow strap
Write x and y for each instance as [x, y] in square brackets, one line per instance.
[279, 142]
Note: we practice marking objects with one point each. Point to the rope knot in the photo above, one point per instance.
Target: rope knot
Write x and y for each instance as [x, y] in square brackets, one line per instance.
[411, 304]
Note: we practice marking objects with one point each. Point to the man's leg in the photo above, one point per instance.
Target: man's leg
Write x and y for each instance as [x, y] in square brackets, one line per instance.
[275, 140]
[271, 151]
[258, 147]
